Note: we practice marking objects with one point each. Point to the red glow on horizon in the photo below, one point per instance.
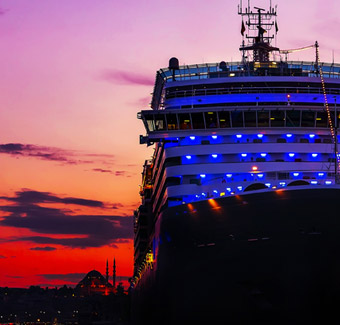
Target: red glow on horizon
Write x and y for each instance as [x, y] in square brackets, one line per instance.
[70, 97]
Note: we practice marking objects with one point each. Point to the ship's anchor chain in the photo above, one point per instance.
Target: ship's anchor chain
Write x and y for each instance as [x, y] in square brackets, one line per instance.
[332, 128]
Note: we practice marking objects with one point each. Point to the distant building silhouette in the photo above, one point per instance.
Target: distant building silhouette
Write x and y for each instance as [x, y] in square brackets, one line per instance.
[107, 270]
[94, 283]
[114, 274]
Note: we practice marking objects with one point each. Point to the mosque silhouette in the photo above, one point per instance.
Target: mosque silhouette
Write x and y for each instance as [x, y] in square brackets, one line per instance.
[94, 283]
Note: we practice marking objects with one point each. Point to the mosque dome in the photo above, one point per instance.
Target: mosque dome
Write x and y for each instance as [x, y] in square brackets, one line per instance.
[94, 283]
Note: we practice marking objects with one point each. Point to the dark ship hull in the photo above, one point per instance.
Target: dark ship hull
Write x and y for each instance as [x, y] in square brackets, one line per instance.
[270, 257]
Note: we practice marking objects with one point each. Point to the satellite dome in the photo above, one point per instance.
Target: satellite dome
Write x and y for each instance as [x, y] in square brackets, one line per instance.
[223, 66]
[173, 64]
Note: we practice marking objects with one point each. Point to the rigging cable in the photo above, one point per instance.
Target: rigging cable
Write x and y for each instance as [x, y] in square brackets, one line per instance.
[332, 128]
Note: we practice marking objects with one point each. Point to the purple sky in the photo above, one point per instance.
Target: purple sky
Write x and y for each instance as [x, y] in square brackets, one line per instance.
[74, 74]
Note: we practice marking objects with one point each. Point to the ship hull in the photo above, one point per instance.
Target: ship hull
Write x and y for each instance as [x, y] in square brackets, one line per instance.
[271, 257]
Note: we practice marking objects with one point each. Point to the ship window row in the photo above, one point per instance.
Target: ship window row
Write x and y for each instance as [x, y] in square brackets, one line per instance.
[291, 85]
[248, 138]
[207, 179]
[258, 157]
[239, 189]
[170, 93]
[212, 70]
[219, 185]
[235, 119]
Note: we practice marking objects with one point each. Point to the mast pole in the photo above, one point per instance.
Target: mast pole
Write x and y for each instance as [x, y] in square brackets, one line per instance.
[317, 57]
[260, 34]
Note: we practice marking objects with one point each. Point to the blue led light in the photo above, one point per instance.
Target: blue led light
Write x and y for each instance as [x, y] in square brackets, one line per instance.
[243, 154]
[328, 182]
[312, 135]
[188, 157]
[314, 182]
[203, 175]
[214, 155]
[228, 189]
[296, 174]
[214, 137]
[203, 194]
[314, 155]
[260, 175]
[229, 175]
[192, 137]
[215, 191]
[282, 183]
[239, 188]
[197, 196]
[263, 155]
[291, 154]
[238, 136]
[268, 184]
[321, 174]
[260, 135]
[289, 135]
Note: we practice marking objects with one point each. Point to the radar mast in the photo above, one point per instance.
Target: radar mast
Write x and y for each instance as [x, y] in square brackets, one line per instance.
[258, 29]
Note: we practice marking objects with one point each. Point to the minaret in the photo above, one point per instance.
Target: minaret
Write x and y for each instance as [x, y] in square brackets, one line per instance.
[114, 274]
[107, 271]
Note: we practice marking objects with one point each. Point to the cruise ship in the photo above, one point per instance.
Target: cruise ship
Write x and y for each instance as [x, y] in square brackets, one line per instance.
[238, 222]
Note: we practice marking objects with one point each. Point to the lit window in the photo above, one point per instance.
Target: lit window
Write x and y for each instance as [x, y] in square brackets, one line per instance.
[214, 155]
[228, 189]
[268, 184]
[203, 175]
[260, 175]
[239, 188]
[229, 175]
[192, 137]
[314, 155]
[188, 157]
[314, 182]
[282, 183]
[289, 135]
[328, 182]
[291, 154]
[296, 174]
[321, 174]
[215, 191]
[238, 136]
[263, 155]
[260, 136]
[214, 137]
[312, 136]
[244, 155]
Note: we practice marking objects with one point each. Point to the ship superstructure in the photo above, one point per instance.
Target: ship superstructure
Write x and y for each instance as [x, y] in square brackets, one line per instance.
[231, 132]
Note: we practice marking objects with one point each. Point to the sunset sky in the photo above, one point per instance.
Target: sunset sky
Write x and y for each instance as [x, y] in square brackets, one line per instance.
[73, 75]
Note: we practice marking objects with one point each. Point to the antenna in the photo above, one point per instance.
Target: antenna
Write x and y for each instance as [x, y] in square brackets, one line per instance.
[261, 30]
[316, 66]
